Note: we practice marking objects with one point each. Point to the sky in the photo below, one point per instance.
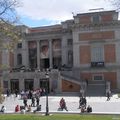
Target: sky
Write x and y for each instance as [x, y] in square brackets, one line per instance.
[36, 13]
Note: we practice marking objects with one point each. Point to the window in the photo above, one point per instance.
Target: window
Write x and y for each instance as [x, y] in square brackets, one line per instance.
[69, 42]
[98, 77]
[5, 84]
[70, 57]
[19, 45]
[19, 59]
[96, 18]
[97, 53]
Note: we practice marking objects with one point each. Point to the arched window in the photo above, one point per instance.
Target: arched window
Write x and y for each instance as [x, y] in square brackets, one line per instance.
[19, 59]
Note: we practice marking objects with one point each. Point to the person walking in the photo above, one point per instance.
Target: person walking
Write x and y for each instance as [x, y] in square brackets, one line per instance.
[33, 101]
[108, 95]
[25, 101]
[37, 101]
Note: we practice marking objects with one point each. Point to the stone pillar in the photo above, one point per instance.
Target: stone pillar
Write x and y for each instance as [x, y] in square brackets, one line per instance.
[27, 54]
[59, 89]
[36, 81]
[38, 55]
[21, 82]
[55, 80]
[50, 54]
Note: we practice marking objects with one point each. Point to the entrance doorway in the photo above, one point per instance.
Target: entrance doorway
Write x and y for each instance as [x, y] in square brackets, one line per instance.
[45, 63]
[29, 84]
[14, 84]
[44, 84]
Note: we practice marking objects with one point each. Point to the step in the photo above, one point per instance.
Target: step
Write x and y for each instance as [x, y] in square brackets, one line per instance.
[96, 90]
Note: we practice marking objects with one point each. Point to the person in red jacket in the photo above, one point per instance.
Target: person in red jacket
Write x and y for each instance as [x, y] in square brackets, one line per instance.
[17, 108]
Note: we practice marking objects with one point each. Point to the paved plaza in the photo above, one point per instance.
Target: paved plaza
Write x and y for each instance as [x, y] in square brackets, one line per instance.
[99, 104]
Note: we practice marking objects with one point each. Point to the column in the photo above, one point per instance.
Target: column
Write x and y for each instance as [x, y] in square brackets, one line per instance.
[64, 49]
[36, 81]
[50, 54]
[38, 55]
[24, 53]
[27, 53]
[21, 82]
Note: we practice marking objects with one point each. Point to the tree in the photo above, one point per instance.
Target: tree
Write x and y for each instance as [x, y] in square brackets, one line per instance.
[115, 3]
[9, 34]
[8, 19]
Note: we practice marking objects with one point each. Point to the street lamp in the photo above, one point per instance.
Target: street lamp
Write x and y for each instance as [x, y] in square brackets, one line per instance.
[47, 107]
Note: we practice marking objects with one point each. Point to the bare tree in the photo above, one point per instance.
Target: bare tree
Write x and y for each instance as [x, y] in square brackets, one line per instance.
[9, 34]
[8, 19]
[116, 4]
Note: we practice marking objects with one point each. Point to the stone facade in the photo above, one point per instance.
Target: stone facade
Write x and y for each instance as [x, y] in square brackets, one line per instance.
[86, 47]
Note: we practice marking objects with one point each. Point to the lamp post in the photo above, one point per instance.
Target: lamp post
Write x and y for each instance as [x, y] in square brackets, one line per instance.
[47, 107]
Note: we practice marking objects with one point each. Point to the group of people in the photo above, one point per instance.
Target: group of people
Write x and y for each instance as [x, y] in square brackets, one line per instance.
[83, 105]
[35, 98]
[30, 93]
[23, 109]
[34, 95]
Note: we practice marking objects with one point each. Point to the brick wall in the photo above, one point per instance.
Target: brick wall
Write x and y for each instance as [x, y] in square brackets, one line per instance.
[110, 76]
[85, 54]
[106, 18]
[109, 53]
[85, 19]
[86, 75]
[97, 35]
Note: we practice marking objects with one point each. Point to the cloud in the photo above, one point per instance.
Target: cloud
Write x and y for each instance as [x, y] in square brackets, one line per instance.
[58, 10]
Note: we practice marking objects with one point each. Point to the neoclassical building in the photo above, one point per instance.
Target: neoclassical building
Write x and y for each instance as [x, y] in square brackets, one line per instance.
[78, 54]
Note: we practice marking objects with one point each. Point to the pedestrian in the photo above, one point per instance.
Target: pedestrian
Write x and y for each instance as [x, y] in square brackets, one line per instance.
[37, 109]
[108, 95]
[89, 109]
[3, 109]
[84, 101]
[25, 102]
[33, 101]
[17, 108]
[16, 92]
[8, 92]
[37, 100]
[63, 104]
[86, 81]
[80, 102]
[28, 108]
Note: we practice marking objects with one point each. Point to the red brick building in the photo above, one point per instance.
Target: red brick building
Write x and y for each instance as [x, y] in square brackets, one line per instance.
[82, 54]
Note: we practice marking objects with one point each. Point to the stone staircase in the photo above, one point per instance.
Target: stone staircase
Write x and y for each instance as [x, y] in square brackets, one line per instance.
[96, 88]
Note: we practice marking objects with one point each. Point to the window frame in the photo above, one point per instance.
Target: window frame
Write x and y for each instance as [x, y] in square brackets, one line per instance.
[97, 53]
[19, 45]
[96, 18]
[95, 75]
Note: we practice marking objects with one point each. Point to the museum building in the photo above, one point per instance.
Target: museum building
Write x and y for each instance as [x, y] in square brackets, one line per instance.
[79, 54]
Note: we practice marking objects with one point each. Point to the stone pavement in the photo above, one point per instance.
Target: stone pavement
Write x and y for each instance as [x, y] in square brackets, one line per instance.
[99, 104]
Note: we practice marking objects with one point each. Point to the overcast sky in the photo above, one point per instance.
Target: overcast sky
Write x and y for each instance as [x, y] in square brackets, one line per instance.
[35, 13]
